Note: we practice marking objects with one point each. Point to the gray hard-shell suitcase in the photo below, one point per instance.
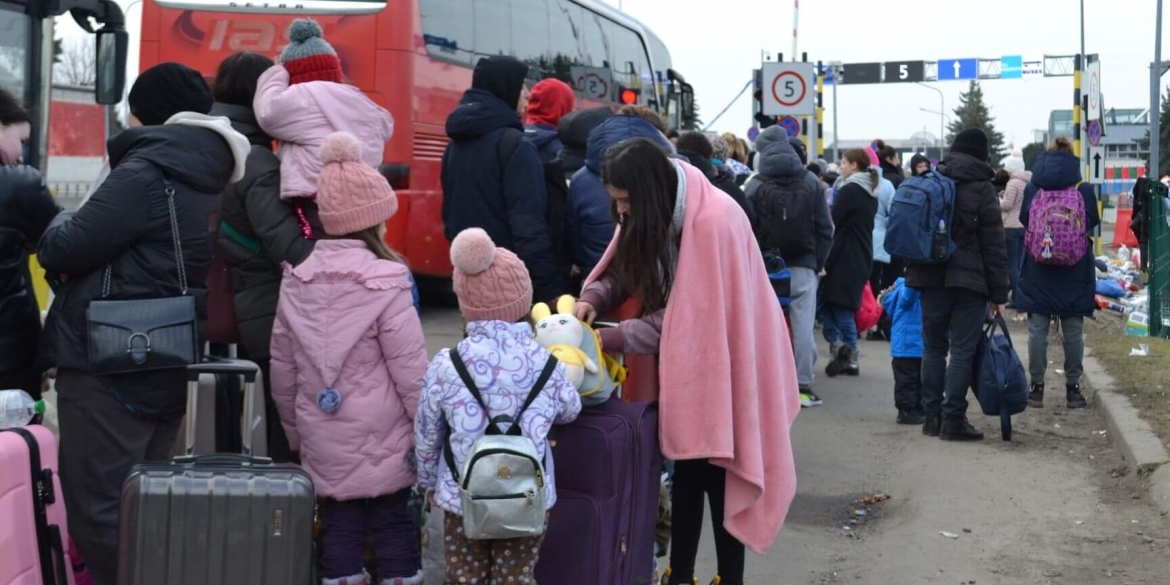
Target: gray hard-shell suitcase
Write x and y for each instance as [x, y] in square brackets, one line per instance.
[221, 519]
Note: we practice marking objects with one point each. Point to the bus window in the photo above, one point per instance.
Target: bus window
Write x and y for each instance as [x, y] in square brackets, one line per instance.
[305, 6]
[530, 34]
[13, 51]
[631, 67]
[564, 30]
[447, 30]
[492, 29]
[596, 50]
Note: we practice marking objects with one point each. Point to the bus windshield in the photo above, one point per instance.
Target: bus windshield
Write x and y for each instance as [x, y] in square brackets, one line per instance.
[14, 43]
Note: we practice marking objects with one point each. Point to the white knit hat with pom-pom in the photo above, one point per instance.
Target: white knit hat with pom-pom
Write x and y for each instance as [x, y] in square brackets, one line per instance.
[492, 283]
[351, 195]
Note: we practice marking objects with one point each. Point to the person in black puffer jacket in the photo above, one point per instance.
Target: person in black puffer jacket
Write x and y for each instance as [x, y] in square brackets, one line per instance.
[955, 294]
[698, 151]
[112, 423]
[257, 229]
[574, 131]
[510, 203]
[26, 208]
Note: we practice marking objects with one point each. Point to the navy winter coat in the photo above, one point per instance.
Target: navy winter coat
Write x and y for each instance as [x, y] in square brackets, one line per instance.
[1058, 290]
[511, 207]
[545, 139]
[588, 221]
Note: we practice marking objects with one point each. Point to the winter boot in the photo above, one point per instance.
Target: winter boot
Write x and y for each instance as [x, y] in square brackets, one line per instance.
[910, 417]
[716, 580]
[1073, 395]
[841, 354]
[956, 428]
[666, 580]
[1036, 395]
[853, 369]
[932, 424]
[362, 579]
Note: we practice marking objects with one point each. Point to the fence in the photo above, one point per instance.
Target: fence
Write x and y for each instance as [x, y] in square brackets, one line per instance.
[1158, 263]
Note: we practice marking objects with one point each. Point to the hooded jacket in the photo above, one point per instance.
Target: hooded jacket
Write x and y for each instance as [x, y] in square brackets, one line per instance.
[979, 264]
[904, 306]
[346, 321]
[918, 158]
[551, 99]
[779, 162]
[885, 195]
[301, 115]
[26, 208]
[511, 207]
[1058, 290]
[257, 232]
[851, 257]
[574, 131]
[723, 181]
[588, 220]
[1013, 199]
[126, 225]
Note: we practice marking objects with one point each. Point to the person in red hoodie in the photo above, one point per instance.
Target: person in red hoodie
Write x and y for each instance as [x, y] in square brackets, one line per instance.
[551, 99]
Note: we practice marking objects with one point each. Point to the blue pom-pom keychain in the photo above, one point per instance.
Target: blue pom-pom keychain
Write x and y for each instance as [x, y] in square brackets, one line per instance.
[328, 400]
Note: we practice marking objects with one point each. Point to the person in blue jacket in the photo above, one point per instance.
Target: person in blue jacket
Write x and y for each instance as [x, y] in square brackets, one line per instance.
[1065, 292]
[507, 201]
[903, 305]
[588, 220]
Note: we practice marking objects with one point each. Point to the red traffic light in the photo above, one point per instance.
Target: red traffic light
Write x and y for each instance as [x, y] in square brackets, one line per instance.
[629, 96]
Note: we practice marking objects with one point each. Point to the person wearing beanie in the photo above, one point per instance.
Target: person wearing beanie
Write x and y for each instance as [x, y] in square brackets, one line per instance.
[486, 187]
[919, 164]
[550, 101]
[955, 293]
[302, 99]
[174, 162]
[698, 149]
[574, 131]
[348, 358]
[495, 297]
[1012, 204]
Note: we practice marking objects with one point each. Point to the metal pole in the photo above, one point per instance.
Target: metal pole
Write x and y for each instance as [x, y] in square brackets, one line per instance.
[795, 24]
[1082, 29]
[942, 108]
[1155, 171]
[836, 128]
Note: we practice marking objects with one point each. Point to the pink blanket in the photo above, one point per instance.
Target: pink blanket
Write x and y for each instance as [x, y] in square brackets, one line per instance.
[726, 366]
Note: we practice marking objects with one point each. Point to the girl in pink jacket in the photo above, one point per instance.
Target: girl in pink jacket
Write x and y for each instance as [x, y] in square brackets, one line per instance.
[348, 358]
[303, 99]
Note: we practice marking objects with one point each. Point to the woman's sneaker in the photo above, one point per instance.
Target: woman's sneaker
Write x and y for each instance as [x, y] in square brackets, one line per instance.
[809, 399]
[842, 355]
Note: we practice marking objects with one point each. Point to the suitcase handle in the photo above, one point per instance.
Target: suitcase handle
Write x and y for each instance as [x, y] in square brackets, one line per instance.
[233, 367]
[216, 365]
[221, 458]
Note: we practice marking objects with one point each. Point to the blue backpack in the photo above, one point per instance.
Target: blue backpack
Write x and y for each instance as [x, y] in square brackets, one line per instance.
[780, 277]
[999, 381]
[919, 227]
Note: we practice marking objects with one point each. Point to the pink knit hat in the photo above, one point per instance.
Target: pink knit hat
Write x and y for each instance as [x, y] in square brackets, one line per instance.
[874, 161]
[492, 283]
[351, 195]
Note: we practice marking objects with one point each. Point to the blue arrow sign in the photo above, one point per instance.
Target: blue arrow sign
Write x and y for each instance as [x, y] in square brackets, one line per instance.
[1011, 67]
[827, 71]
[958, 69]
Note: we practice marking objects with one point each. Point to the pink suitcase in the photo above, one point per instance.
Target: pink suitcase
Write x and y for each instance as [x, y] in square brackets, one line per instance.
[33, 526]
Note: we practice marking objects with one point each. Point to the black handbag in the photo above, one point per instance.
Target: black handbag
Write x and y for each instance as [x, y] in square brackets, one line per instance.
[144, 335]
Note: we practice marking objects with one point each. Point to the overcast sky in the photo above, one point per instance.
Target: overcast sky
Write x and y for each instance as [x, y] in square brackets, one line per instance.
[717, 44]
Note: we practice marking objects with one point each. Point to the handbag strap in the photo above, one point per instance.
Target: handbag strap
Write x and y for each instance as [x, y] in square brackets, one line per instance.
[175, 239]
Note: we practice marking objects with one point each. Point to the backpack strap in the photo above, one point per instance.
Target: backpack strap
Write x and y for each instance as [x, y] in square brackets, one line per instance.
[493, 423]
[508, 144]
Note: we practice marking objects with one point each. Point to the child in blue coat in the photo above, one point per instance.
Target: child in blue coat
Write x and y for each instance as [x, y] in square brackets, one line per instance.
[902, 304]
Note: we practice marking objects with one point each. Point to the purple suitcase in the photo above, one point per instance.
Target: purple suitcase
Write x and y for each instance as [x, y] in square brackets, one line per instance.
[608, 471]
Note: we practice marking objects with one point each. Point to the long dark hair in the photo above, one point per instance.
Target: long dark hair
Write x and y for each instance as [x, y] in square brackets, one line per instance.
[236, 79]
[647, 249]
[11, 110]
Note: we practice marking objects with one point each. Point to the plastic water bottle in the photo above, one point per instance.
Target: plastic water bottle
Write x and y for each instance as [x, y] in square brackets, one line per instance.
[938, 247]
[17, 408]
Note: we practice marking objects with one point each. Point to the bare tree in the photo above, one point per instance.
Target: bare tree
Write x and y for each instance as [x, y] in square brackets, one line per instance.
[77, 63]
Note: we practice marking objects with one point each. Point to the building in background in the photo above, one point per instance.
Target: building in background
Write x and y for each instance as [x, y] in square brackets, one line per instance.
[920, 142]
[1126, 151]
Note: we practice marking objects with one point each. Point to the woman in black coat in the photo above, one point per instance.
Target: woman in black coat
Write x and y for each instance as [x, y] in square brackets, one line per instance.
[26, 208]
[698, 151]
[850, 259]
[1065, 292]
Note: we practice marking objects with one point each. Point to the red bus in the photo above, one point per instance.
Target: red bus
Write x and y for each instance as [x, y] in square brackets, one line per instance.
[415, 57]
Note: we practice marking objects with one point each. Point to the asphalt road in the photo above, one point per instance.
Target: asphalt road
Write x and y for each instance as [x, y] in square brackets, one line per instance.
[1053, 507]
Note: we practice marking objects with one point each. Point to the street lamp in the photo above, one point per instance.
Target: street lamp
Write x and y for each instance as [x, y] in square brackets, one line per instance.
[942, 107]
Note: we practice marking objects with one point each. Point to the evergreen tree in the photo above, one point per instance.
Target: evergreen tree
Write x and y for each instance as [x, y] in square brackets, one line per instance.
[1032, 151]
[697, 124]
[1164, 143]
[973, 113]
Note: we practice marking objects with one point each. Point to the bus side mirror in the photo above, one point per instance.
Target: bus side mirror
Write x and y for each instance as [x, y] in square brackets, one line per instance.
[112, 44]
[686, 100]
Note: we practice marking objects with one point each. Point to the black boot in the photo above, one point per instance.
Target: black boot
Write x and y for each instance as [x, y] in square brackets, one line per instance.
[1076, 400]
[910, 417]
[956, 428]
[1036, 395]
[932, 424]
[841, 355]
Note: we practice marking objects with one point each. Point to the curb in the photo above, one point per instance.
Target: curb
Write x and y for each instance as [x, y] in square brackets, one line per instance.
[1142, 449]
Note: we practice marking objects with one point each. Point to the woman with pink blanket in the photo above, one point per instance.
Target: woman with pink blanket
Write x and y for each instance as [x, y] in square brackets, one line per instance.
[685, 251]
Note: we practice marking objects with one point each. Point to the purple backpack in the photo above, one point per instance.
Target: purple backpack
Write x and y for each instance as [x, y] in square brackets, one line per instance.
[1056, 234]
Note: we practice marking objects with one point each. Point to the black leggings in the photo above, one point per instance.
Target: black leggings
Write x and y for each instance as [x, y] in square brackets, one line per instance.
[693, 479]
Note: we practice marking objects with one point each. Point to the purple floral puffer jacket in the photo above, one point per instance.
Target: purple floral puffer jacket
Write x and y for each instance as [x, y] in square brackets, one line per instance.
[505, 362]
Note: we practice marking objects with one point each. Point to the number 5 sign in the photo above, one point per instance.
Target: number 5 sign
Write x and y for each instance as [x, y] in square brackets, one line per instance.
[789, 89]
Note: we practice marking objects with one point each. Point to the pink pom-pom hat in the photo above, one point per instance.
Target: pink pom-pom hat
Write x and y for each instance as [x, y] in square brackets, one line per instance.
[491, 283]
[351, 195]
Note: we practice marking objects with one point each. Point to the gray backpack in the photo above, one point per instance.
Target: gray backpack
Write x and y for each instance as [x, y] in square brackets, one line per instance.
[503, 481]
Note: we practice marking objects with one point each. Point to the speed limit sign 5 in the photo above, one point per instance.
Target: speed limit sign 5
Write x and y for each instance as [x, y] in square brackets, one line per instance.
[788, 89]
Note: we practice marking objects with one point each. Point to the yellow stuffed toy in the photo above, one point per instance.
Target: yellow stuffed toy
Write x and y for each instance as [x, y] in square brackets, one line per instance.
[562, 335]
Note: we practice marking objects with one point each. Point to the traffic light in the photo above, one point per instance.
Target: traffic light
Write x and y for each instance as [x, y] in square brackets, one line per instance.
[758, 111]
[57, 50]
[628, 96]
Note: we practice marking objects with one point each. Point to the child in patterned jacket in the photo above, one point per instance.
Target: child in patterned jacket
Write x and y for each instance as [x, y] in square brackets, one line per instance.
[505, 362]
